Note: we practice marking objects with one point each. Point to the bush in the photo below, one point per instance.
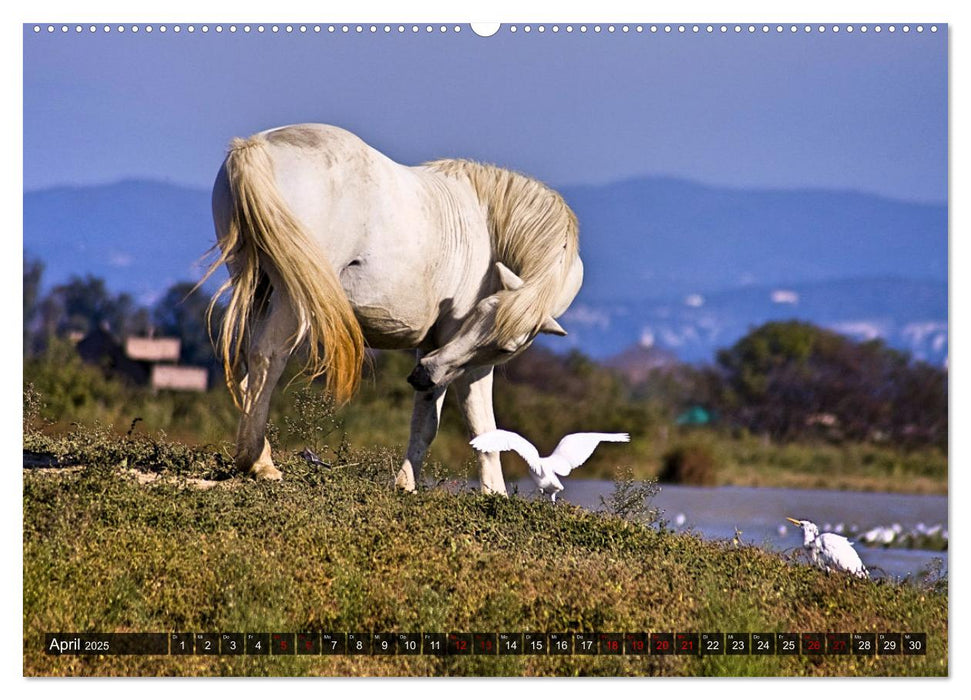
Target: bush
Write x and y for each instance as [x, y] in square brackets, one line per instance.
[689, 464]
[633, 500]
[71, 390]
[793, 380]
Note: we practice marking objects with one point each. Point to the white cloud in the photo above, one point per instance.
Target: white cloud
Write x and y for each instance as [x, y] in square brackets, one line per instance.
[866, 330]
[784, 296]
[117, 258]
[587, 316]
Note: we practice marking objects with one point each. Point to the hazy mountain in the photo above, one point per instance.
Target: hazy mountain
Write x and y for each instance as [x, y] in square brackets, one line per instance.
[687, 267]
[140, 236]
[659, 237]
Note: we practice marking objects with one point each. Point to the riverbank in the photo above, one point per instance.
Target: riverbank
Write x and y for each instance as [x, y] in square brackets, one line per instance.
[759, 515]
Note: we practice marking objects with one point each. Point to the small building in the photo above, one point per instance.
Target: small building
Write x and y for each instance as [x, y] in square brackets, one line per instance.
[153, 349]
[144, 361]
[178, 378]
[101, 349]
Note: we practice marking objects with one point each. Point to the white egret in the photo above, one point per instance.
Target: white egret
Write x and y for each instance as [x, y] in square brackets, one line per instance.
[879, 535]
[572, 451]
[830, 551]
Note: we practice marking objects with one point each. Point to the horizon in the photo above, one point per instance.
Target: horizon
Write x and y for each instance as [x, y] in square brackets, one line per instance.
[821, 189]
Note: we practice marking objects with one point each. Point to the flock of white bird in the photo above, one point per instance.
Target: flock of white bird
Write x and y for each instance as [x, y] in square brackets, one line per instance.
[894, 535]
[828, 550]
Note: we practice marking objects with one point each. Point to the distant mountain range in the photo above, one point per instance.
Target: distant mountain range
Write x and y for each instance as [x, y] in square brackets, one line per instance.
[668, 263]
[139, 236]
[665, 238]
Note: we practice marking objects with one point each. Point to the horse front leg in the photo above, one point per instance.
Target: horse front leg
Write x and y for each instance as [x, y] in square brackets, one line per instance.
[425, 417]
[475, 399]
[265, 362]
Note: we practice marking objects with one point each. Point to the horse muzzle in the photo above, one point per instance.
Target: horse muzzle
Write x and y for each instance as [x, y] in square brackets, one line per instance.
[420, 379]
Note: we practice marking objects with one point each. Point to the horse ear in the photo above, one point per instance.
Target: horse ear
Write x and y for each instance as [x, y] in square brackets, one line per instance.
[507, 278]
[552, 327]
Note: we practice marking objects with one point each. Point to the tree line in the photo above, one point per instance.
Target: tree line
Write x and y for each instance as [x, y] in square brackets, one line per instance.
[787, 379]
[83, 304]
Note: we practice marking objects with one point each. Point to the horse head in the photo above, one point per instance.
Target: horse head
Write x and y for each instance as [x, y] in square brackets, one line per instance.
[482, 340]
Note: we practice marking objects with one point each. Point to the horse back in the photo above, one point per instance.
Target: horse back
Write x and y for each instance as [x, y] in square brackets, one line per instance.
[402, 239]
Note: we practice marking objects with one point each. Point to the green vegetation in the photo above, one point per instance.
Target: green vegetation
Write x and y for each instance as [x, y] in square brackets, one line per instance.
[337, 549]
[791, 379]
[540, 395]
[749, 461]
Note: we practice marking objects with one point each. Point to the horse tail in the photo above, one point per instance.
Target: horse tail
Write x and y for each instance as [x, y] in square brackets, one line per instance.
[264, 234]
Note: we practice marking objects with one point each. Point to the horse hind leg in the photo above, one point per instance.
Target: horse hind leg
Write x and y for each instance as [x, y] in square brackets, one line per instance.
[265, 361]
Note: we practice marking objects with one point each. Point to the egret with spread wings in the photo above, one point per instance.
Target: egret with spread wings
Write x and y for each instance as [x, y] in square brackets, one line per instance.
[573, 450]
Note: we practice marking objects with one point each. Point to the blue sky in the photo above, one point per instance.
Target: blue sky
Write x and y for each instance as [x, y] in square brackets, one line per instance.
[835, 110]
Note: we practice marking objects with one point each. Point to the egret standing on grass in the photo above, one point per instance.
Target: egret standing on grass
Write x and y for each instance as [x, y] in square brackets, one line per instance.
[572, 451]
[830, 551]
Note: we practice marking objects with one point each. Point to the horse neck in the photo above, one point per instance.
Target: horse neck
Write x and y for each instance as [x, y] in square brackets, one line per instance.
[463, 249]
[524, 215]
[533, 232]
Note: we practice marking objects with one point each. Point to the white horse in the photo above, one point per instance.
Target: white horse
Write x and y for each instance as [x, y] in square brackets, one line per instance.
[333, 245]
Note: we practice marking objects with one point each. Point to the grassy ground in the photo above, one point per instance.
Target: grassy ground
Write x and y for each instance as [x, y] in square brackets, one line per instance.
[338, 550]
[380, 417]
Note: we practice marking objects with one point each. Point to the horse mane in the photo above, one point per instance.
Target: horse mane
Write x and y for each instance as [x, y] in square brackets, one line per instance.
[533, 232]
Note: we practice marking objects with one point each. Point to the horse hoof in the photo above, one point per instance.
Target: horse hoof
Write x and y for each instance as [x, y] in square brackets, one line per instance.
[404, 482]
[266, 472]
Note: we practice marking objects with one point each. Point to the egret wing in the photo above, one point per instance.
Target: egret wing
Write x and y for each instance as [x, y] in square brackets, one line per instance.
[502, 440]
[576, 448]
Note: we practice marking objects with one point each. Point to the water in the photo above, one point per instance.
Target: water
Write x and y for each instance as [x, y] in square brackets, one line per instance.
[759, 513]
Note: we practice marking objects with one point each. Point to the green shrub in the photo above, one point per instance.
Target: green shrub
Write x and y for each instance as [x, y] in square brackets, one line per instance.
[71, 389]
[32, 406]
[631, 499]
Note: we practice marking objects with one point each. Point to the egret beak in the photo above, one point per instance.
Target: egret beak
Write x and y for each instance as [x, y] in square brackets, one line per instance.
[793, 521]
